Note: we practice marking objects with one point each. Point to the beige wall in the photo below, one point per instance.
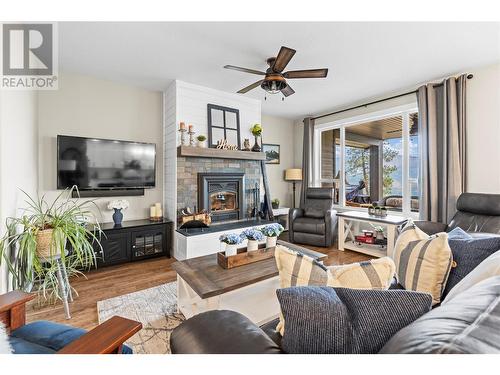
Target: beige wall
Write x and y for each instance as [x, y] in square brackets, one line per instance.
[18, 156]
[90, 107]
[278, 130]
[483, 130]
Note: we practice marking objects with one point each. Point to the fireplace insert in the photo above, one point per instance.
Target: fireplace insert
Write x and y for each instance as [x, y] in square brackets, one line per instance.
[222, 195]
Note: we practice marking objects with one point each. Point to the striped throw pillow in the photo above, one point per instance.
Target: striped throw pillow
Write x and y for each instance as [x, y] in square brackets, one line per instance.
[372, 274]
[423, 262]
[296, 269]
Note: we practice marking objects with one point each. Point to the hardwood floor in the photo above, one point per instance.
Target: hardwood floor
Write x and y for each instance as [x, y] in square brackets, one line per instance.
[118, 280]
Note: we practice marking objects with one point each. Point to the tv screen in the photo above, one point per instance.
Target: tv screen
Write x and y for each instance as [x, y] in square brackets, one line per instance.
[96, 164]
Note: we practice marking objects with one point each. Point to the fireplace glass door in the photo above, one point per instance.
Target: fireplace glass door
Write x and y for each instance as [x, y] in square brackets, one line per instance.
[223, 201]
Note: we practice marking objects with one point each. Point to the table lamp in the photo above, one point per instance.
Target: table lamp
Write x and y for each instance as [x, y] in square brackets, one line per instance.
[294, 175]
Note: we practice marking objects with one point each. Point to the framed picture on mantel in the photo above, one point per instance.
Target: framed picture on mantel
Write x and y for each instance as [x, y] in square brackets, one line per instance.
[272, 153]
[223, 123]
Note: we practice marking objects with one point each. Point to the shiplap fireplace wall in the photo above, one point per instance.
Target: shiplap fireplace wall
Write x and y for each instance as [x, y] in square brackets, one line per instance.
[188, 103]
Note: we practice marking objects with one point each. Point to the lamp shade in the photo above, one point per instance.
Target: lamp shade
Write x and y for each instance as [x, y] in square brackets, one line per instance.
[293, 174]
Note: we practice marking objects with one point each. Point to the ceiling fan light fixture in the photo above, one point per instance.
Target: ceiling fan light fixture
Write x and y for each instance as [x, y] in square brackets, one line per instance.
[273, 86]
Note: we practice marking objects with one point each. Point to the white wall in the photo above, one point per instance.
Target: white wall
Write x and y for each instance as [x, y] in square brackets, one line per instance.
[90, 107]
[18, 156]
[483, 130]
[192, 100]
[278, 130]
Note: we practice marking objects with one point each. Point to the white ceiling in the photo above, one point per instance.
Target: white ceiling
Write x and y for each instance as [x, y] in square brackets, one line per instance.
[364, 59]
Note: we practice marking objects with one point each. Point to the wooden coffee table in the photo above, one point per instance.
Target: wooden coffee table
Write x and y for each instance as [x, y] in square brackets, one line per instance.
[203, 285]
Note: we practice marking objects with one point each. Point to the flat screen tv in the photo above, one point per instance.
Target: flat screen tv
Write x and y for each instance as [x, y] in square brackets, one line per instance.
[104, 164]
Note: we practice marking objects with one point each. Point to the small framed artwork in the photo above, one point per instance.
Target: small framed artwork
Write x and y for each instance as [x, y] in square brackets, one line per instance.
[272, 153]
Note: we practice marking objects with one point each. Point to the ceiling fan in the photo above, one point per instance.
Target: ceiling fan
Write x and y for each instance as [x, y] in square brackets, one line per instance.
[274, 79]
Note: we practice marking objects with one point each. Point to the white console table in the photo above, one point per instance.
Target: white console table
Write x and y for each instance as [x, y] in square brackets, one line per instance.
[349, 226]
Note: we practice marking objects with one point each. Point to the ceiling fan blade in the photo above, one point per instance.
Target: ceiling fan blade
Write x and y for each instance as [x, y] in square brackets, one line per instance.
[284, 56]
[311, 73]
[245, 70]
[287, 91]
[251, 87]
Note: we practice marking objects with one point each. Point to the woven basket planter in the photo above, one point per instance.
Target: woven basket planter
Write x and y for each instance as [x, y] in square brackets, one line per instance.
[46, 244]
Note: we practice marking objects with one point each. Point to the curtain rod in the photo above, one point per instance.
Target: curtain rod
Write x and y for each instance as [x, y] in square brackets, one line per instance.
[469, 76]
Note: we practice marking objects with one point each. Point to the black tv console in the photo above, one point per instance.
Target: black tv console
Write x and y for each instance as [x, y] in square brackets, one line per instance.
[134, 240]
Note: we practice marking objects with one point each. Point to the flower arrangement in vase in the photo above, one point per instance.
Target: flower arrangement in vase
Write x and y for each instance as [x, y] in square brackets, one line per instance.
[118, 205]
[253, 236]
[272, 231]
[256, 132]
[232, 240]
[379, 231]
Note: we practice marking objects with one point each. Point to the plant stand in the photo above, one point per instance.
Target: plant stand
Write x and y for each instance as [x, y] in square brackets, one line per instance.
[64, 285]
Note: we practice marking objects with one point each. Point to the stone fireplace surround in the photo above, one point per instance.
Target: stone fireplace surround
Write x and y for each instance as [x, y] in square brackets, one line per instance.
[189, 168]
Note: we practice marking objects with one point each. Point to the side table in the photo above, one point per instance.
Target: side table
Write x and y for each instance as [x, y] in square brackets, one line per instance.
[350, 224]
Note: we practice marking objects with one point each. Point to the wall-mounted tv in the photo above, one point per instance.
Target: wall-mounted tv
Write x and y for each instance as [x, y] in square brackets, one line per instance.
[104, 164]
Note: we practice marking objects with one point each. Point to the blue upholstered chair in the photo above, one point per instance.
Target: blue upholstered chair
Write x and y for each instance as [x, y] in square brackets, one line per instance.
[43, 337]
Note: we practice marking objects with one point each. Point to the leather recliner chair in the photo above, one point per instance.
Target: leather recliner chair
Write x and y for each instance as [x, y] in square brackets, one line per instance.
[476, 212]
[316, 223]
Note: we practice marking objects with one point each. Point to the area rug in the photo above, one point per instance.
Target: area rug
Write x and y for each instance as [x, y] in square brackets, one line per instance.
[155, 308]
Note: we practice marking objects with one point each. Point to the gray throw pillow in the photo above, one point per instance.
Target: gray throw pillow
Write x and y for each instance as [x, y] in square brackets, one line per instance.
[468, 252]
[325, 320]
[316, 213]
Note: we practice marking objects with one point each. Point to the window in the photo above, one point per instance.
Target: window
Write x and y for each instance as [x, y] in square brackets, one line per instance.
[373, 158]
[223, 124]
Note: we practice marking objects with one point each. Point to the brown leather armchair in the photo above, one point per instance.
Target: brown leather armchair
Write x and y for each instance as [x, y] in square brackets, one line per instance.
[316, 223]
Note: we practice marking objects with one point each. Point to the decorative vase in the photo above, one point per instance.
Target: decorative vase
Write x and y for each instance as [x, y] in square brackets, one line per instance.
[252, 245]
[256, 147]
[202, 144]
[231, 249]
[275, 205]
[271, 241]
[117, 216]
[380, 235]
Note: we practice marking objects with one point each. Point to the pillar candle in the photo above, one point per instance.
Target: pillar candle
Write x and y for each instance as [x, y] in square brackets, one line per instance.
[182, 126]
[190, 128]
[159, 213]
[152, 211]
[158, 208]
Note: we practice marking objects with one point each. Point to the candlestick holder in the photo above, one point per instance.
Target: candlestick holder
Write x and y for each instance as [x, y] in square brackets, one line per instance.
[191, 138]
[183, 136]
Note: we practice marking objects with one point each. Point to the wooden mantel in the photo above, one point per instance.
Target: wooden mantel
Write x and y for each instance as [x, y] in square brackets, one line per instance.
[200, 152]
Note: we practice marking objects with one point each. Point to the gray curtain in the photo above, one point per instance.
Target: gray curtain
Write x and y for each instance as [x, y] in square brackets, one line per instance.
[442, 133]
[307, 153]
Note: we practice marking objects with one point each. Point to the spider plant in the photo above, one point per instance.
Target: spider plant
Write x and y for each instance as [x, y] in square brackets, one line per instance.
[69, 239]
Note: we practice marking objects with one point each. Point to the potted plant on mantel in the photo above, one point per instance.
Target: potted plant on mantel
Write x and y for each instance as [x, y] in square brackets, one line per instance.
[202, 141]
[35, 241]
[257, 132]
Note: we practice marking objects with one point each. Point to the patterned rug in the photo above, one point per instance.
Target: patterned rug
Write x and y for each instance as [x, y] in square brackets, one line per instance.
[155, 308]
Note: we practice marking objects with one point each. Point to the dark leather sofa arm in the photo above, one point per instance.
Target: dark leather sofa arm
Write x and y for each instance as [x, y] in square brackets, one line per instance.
[221, 332]
[431, 227]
